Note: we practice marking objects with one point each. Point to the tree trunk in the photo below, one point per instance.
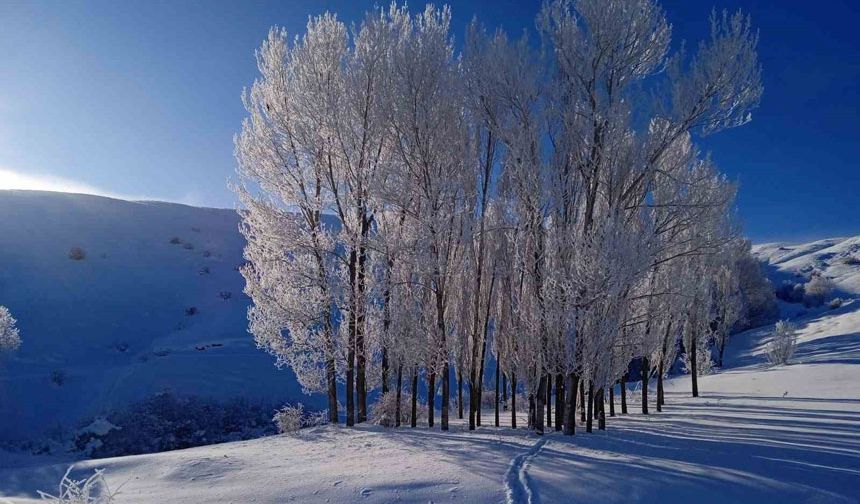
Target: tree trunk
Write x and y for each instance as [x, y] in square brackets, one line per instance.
[399, 394]
[539, 400]
[531, 422]
[505, 391]
[590, 406]
[460, 392]
[548, 401]
[570, 405]
[722, 350]
[331, 381]
[413, 420]
[473, 403]
[384, 370]
[624, 393]
[513, 400]
[582, 401]
[360, 357]
[601, 410]
[559, 401]
[431, 399]
[497, 393]
[694, 371]
[350, 384]
[660, 385]
[612, 401]
[645, 370]
[446, 394]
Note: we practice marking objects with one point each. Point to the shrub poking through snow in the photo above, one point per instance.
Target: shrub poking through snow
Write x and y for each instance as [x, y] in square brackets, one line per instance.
[288, 419]
[77, 254]
[92, 490]
[835, 303]
[383, 412]
[818, 290]
[291, 419]
[784, 342]
[176, 240]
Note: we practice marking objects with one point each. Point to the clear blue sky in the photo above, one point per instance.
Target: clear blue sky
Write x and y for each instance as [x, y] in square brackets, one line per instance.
[141, 99]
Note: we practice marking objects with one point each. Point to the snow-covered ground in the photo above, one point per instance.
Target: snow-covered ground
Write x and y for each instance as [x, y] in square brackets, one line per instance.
[835, 258]
[757, 434]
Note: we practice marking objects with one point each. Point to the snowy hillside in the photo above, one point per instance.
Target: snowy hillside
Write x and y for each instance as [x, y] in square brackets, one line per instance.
[135, 316]
[835, 258]
[757, 434]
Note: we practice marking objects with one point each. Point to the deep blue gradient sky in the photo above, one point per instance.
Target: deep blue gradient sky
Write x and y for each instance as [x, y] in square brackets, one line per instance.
[141, 99]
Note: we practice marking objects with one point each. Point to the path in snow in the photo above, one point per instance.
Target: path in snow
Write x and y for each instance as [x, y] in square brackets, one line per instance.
[517, 487]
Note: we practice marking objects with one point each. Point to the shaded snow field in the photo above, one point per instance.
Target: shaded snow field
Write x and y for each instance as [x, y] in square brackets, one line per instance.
[757, 434]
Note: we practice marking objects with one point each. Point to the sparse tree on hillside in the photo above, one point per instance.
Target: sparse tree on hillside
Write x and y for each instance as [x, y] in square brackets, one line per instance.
[10, 338]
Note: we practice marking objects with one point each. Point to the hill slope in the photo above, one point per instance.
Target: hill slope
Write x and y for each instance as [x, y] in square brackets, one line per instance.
[835, 258]
[117, 325]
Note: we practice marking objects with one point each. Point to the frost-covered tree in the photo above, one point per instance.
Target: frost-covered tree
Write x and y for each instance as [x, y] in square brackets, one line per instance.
[783, 343]
[10, 338]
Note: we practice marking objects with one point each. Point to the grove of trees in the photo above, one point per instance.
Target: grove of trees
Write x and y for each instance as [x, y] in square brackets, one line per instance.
[538, 208]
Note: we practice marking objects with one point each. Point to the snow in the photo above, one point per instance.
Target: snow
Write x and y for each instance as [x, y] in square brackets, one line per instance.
[112, 327]
[757, 434]
[798, 261]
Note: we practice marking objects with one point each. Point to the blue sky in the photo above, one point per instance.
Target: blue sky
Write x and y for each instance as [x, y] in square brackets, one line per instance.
[141, 99]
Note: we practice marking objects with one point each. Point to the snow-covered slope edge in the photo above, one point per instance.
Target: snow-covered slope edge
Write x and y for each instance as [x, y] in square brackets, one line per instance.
[136, 316]
[834, 258]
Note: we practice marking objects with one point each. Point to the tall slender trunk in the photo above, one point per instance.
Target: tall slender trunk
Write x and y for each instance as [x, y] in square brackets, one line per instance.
[590, 406]
[601, 410]
[624, 393]
[645, 370]
[431, 398]
[559, 401]
[360, 356]
[513, 400]
[722, 351]
[549, 400]
[446, 394]
[570, 404]
[399, 392]
[505, 391]
[539, 400]
[582, 401]
[694, 368]
[350, 353]
[531, 422]
[384, 370]
[612, 400]
[497, 393]
[331, 381]
[460, 392]
[413, 420]
[660, 385]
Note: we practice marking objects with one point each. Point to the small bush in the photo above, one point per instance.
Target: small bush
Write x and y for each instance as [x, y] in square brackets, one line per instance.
[835, 303]
[225, 295]
[783, 343]
[58, 377]
[92, 490]
[790, 292]
[288, 419]
[188, 246]
[176, 240]
[204, 270]
[818, 290]
[77, 254]
[191, 311]
[383, 412]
